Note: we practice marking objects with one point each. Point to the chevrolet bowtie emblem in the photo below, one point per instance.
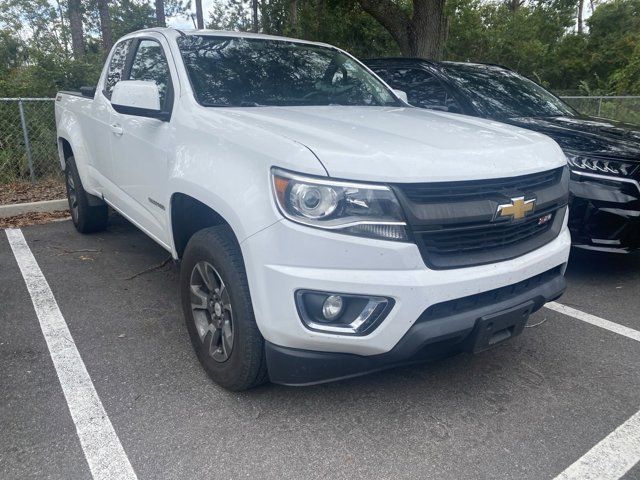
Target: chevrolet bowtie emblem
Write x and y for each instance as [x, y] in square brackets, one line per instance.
[517, 209]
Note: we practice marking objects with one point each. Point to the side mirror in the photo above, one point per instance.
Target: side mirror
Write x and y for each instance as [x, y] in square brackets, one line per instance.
[138, 97]
[88, 92]
[402, 95]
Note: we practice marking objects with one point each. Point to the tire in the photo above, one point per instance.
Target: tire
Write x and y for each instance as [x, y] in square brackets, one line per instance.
[218, 312]
[89, 213]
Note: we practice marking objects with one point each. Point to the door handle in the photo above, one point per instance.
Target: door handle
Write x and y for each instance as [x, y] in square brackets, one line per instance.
[116, 129]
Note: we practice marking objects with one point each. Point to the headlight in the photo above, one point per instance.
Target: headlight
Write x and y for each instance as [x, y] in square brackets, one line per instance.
[600, 165]
[366, 210]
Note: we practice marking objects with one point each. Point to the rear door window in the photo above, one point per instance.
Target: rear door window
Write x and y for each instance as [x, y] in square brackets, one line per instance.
[117, 64]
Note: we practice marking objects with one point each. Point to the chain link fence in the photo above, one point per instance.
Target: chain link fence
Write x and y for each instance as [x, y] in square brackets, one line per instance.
[28, 149]
[623, 108]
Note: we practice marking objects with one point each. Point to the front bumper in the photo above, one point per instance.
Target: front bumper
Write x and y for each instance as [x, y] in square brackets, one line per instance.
[286, 257]
[442, 329]
[605, 213]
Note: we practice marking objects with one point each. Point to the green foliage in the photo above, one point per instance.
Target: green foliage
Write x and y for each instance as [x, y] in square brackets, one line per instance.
[535, 37]
[339, 22]
[39, 63]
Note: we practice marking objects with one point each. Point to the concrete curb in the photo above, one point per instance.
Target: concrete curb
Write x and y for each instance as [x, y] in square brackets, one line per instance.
[20, 208]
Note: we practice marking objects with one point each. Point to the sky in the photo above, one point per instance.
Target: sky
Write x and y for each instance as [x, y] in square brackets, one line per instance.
[186, 23]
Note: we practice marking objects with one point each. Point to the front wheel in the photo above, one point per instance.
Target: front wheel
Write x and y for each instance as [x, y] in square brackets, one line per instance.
[218, 312]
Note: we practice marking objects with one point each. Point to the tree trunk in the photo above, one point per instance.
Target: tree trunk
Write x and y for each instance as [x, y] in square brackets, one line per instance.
[294, 17]
[428, 29]
[63, 29]
[199, 17]
[421, 34]
[75, 22]
[580, 20]
[105, 25]
[513, 5]
[160, 18]
[254, 7]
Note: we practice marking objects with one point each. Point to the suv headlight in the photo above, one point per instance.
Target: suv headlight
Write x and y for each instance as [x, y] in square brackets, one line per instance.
[600, 165]
[366, 210]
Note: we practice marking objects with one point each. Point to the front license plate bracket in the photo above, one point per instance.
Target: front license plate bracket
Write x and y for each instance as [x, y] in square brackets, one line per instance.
[498, 327]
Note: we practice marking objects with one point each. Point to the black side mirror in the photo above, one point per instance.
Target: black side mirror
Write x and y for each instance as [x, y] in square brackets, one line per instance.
[88, 92]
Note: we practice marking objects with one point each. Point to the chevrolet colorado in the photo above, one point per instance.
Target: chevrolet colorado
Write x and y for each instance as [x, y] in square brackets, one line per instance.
[324, 228]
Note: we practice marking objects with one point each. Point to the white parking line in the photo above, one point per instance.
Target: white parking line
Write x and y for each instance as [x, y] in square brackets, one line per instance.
[619, 451]
[610, 459]
[102, 448]
[593, 320]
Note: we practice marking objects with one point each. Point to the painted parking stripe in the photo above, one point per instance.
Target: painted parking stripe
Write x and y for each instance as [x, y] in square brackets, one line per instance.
[102, 448]
[610, 459]
[593, 320]
[619, 451]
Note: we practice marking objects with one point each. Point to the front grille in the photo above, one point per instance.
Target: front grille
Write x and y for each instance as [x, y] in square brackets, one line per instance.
[454, 224]
[478, 189]
[491, 297]
[484, 236]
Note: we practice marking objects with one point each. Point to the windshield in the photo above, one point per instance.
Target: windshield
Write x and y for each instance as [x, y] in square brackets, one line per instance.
[499, 93]
[249, 72]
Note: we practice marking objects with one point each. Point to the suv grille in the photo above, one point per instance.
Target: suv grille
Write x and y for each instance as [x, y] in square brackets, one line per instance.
[453, 223]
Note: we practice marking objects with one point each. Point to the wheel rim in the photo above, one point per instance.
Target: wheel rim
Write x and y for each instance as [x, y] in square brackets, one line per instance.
[73, 196]
[212, 312]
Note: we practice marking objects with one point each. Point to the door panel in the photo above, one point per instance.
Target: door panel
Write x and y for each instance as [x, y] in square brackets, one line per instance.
[140, 147]
[99, 118]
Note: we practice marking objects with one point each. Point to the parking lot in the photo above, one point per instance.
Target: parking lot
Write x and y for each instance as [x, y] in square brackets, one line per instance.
[527, 409]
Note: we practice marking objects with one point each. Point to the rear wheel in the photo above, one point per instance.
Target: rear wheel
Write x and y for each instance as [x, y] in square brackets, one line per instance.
[89, 213]
[218, 312]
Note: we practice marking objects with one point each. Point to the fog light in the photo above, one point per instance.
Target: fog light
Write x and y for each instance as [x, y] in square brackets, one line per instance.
[332, 307]
[341, 313]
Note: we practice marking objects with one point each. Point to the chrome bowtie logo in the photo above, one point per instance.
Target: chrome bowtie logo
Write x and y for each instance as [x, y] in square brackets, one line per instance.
[517, 209]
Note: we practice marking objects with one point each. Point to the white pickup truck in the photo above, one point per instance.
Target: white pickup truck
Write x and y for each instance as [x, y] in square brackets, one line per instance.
[324, 228]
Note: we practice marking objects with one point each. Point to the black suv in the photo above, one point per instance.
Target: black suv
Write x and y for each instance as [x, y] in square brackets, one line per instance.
[604, 155]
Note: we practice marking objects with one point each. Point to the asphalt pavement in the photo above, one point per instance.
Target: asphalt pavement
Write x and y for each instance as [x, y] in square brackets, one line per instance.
[527, 409]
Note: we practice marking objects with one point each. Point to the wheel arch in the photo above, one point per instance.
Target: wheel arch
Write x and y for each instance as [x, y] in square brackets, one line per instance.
[64, 151]
[190, 215]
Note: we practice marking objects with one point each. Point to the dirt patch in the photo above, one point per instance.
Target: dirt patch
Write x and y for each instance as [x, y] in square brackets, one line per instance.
[33, 218]
[24, 192]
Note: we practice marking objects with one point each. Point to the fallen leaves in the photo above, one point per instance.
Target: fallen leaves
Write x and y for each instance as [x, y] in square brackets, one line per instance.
[25, 192]
[33, 218]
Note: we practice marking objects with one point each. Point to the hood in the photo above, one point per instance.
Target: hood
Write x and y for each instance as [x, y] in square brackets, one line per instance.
[588, 135]
[391, 144]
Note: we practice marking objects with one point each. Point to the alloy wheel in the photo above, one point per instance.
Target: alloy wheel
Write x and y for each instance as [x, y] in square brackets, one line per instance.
[212, 312]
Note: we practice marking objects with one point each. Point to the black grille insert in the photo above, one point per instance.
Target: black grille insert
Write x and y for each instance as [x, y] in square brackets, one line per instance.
[479, 300]
[487, 235]
[479, 189]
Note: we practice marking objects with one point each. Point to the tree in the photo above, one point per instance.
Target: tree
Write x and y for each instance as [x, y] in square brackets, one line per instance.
[294, 16]
[199, 17]
[160, 13]
[420, 29]
[105, 25]
[231, 15]
[580, 13]
[74, 10]
[254, 15]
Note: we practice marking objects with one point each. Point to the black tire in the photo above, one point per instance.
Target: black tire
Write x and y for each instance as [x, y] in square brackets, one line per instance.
[89, 213]
[245, 364]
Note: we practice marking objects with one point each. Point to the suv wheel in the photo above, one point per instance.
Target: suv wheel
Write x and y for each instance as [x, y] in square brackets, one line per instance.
[89, 213]
[218, 312]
